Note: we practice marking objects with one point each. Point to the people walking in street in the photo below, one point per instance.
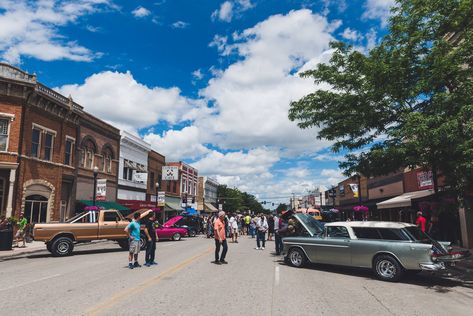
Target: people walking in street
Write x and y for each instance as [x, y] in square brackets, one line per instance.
[253, 227]
[20, 234]
[280, 226]
[247, 223]
[220, 239]
[232, 222]
[421, 221]
[270, 227]
[152, 238]
[261, 229]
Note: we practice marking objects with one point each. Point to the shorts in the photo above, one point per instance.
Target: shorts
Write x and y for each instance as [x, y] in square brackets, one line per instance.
[20, 233]
[134, 247]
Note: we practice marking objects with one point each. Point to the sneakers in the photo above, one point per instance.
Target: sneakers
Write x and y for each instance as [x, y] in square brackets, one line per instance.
[147, 264]
[257, 248]
[223, 262]
[216, 262]
[262, 248]
[153, 263]
[130, 266]
[137, 265]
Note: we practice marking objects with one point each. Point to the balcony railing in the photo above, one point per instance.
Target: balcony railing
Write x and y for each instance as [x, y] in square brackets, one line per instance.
[14, 73]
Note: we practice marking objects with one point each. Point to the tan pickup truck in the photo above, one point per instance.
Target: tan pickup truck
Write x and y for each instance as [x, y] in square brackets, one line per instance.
[86, 226]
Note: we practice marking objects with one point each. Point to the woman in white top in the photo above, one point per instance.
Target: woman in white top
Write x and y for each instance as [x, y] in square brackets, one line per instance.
[233, 228]
[261, 229]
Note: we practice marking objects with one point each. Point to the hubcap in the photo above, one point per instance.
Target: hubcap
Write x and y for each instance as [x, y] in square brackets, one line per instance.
[296, 258]
[386, 269]
[63, 247]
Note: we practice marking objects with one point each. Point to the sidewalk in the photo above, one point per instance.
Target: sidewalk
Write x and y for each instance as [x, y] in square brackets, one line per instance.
[34, 246]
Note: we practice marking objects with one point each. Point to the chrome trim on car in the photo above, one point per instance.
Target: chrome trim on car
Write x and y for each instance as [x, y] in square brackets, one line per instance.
[320, 245]
[297, 246]
[432, 266]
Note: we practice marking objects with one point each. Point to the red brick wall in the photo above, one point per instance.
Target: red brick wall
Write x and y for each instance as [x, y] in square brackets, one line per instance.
[15, 126]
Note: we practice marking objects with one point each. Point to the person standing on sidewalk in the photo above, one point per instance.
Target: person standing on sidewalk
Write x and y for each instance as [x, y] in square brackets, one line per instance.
[20, 234]
[261, 228]
[151, 244]
[220, 238]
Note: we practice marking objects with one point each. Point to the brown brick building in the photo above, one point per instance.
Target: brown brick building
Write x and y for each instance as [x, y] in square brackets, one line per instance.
[40, 132]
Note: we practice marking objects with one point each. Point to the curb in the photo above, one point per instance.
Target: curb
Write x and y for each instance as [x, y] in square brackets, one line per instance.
[39, 249]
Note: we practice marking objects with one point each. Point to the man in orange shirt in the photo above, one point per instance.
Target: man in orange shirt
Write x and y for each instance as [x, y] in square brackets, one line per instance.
[220, 239]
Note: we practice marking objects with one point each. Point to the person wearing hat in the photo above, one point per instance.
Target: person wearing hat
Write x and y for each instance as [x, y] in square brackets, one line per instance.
[20, 234]
[220, 239]
[421, 221]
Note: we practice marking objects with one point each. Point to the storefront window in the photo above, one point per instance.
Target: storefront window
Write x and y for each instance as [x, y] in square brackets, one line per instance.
[35, 141]
[48, 146]
[68, 152]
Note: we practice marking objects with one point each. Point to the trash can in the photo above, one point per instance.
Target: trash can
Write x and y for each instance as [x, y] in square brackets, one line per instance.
[6, 239]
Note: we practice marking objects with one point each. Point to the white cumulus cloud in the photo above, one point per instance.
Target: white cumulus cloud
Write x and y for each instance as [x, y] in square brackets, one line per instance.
[378, 9]
[229, 9]
[32, 29]
[140, 12]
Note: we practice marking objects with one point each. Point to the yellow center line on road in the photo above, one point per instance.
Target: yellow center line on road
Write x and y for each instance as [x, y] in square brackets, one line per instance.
[118, 298]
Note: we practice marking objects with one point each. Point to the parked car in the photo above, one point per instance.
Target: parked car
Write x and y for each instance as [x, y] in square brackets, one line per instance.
[192, 223]
[389, 249]
[169, 230]
[86, 226]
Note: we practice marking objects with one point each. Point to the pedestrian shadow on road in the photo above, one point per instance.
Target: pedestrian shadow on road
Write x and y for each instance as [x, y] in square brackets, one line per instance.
[76, 253]
[439, 282]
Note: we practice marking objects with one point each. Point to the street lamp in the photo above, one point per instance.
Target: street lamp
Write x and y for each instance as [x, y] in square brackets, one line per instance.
[157, 186]
[96, 172]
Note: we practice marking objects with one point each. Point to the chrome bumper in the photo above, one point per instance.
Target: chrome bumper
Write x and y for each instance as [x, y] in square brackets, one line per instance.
[432, 266]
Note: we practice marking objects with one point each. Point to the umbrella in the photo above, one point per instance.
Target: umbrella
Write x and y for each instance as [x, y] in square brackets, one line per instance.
[361, 208]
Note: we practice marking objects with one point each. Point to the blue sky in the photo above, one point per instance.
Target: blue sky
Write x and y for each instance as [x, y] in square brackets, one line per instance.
[207, 82]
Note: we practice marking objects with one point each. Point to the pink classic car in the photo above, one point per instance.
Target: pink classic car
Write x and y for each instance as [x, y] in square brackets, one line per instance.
[169, 231]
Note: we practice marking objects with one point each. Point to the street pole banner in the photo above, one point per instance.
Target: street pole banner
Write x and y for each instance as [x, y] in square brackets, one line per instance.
[161, 198]
[170, 173]
[354, 189]
[101, 193]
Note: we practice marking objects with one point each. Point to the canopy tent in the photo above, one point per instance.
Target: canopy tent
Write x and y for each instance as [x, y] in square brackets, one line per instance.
[403, 200]
[210, 208]
[172, 206]
[190, 211]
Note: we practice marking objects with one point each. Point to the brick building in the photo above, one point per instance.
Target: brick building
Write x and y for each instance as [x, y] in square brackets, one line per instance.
[40, 132]
[186, 186]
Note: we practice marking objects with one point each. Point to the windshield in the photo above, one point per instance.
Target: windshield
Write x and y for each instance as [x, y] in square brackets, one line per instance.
[417, 235]
[314, 226]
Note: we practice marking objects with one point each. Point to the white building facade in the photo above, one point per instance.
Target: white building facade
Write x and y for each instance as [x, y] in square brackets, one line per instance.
[133, 167]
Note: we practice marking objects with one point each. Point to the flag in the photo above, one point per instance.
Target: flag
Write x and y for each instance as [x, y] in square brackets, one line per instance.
[354, 189]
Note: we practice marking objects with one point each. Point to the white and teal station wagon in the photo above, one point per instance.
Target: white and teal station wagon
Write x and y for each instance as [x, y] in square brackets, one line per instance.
[388, 248]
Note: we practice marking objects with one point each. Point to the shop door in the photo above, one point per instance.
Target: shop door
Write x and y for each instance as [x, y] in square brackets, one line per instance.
[2, 193]
[36, 209]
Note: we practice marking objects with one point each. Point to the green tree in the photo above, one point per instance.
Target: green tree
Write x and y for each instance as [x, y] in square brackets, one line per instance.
[236, 201]
[406, 103]
[281, 207]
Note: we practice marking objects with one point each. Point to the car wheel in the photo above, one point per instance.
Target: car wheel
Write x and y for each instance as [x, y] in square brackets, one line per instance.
[62, 246]
[297, 257]
[176, 237]
[192, 233]
[123, 243]
[387, 268]
[49, 246]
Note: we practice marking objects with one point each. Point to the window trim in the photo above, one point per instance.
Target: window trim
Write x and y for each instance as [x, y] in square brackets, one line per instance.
[9, 120]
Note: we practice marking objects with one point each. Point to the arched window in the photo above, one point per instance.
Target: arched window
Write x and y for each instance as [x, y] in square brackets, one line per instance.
[107, 159]
[88, 150]
[36, 208]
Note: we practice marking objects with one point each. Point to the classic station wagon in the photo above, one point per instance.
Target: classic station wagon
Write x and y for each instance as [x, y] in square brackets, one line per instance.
[388, 248]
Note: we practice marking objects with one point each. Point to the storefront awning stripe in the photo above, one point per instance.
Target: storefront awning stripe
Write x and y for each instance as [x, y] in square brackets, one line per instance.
[403, 200]
[209, 207]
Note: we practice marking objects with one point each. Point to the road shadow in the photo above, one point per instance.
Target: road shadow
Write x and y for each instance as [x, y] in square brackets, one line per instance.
[77, 253]
[441, 282]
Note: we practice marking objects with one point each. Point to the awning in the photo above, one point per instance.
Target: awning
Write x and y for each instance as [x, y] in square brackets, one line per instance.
[210, 208]
[141, 168]
[173, 206]
[403, 200]
[105, 205]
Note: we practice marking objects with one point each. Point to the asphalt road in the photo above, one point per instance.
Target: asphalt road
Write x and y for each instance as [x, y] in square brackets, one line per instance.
[96, 281]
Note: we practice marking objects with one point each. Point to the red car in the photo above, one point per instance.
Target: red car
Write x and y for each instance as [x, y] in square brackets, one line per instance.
[169, 231]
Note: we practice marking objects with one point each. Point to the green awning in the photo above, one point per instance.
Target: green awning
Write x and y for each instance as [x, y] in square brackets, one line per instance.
[173, 206]
[105, 205]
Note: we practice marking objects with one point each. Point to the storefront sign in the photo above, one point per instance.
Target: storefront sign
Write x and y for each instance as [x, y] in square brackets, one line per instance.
[161, 198]
[101, 193]
[141, 177]
[424, 180]
[170, 173]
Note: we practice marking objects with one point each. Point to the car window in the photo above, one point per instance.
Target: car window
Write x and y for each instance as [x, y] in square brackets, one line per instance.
[110, 217]
[337, 232]
[366, 233]
[391, 234]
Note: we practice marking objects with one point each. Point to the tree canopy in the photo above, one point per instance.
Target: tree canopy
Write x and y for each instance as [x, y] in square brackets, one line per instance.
[408, 102]
[235, 200]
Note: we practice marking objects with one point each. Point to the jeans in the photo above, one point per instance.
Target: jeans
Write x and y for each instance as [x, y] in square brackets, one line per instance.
[150, 251]
[260, 236]
[217, 250]
[252, 232]
[278, 243]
